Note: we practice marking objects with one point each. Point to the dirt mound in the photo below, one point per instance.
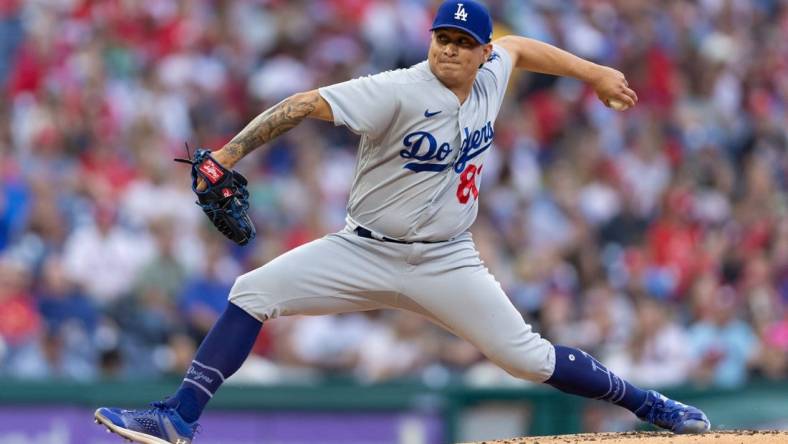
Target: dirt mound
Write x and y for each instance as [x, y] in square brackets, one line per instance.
[713, 437]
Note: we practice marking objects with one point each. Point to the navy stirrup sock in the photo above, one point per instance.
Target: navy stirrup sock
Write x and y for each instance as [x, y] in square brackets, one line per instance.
[578, 373]
[220, 355]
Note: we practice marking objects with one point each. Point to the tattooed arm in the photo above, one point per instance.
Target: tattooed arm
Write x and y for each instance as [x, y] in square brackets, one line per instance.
[274, 121]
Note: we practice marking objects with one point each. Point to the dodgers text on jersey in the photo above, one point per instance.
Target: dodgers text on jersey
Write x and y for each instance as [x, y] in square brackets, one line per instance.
[428, 155]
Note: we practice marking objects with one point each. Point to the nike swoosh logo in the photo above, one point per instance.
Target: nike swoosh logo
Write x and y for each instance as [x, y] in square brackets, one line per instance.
[428, 114]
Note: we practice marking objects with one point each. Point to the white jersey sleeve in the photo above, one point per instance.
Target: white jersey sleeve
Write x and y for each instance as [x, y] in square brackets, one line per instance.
[499, 67]
[365, 105]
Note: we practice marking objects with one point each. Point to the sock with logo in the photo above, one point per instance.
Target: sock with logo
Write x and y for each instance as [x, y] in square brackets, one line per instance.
[220, 355]
[578, 373]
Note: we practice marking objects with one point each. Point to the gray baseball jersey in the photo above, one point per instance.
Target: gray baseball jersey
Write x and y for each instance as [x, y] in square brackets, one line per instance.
[421, 152]
[419, 162]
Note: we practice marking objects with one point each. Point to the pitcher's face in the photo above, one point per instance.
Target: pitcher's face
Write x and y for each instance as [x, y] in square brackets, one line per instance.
[455, 56]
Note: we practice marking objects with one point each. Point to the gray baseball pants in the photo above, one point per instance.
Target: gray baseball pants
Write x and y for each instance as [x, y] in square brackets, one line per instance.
[445, 282]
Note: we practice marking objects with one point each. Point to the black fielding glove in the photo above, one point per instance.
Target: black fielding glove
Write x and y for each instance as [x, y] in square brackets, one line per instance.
[225, 200]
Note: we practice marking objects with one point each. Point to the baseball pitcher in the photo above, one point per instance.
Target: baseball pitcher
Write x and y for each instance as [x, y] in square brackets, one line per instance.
[425, 134]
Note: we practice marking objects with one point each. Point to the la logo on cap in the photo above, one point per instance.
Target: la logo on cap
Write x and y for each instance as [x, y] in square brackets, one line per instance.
[461, 14]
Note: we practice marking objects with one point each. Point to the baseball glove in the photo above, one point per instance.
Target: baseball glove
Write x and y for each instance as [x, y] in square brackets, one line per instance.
[225, 199]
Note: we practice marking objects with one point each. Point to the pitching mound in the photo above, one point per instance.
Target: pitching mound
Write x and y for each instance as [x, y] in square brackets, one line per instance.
[721, 437]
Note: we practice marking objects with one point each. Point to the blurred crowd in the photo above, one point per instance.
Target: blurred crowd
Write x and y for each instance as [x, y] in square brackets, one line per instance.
[655, 238]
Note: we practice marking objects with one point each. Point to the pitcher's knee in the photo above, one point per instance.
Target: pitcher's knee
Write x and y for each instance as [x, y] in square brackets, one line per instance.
[252, 292]
[535, 364]
[528, 370]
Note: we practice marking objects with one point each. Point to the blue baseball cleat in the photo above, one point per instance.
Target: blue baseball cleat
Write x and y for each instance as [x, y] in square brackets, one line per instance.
[672, 415]
[159, 425]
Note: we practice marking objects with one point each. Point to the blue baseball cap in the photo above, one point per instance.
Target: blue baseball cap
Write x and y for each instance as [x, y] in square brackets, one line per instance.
[467, 15]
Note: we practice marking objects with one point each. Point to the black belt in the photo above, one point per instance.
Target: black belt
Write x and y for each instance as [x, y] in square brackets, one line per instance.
[363, 232]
